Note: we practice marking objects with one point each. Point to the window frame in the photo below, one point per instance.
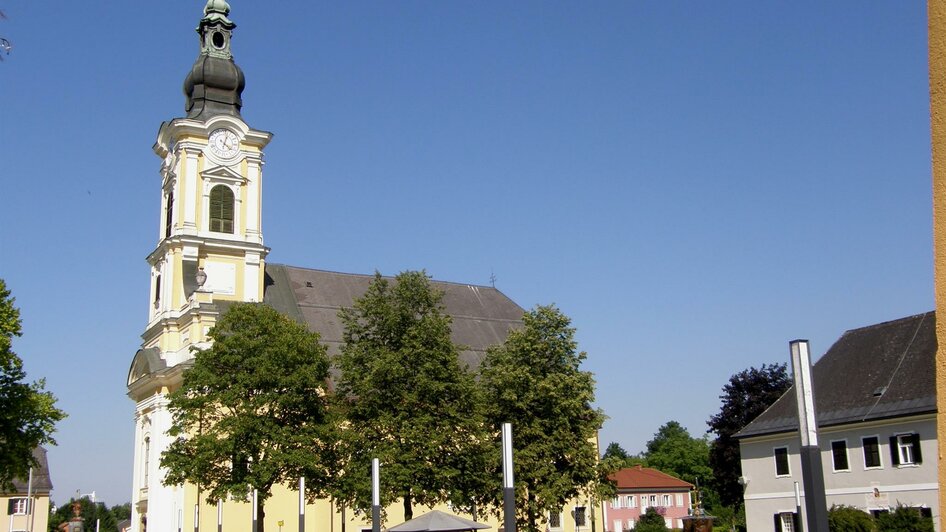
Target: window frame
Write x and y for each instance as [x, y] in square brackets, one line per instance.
[549, 520]
[584, 516]
[227, 194]
[907, 449]
[788, 462]
[18, 506]
[880, 455]
[834, 457]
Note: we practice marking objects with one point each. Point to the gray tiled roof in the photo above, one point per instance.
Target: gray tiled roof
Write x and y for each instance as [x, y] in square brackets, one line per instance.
[482, 315]
[880, 371]
[41, 481]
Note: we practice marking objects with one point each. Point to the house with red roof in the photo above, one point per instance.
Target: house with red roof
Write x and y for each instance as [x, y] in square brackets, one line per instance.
[640, 488]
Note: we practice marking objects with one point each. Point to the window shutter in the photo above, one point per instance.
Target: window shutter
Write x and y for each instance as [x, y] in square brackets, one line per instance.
[915, 443]
[11, 506]
[796, 521]
[778, 523]
[894, 451]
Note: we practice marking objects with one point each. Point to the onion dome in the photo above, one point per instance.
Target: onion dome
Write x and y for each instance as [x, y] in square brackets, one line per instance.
[215, 83]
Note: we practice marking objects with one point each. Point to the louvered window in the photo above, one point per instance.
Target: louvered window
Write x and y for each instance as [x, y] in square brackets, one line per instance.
[221, 209]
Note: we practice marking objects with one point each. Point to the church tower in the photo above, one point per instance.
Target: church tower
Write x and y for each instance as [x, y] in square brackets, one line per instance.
[209, 251]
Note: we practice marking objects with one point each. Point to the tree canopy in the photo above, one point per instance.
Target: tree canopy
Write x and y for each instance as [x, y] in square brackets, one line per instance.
[251, 412]
[406, 399]
[746, 395]
[108, 518]
[534, 381]
[651, 521]
[28, 413]
[614, 450]
[673, 451]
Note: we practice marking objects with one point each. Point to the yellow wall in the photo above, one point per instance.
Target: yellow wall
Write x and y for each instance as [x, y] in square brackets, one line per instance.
[40, 517]
[936, 10]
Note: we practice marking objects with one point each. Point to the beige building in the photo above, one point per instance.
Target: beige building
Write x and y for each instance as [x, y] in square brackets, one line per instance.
[27, 508]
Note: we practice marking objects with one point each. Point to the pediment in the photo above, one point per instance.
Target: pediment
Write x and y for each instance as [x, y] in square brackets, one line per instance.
[223, 173]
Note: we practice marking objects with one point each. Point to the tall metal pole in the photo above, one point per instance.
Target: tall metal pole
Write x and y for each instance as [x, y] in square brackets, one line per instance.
[301, 504]
[196, 516]
[509, 492]
[798, 507]
[816, 507]
[219, 515]
[375, 495]
[255, 515]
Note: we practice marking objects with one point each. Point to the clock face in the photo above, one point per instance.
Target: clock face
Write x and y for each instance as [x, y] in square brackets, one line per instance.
[224, 143]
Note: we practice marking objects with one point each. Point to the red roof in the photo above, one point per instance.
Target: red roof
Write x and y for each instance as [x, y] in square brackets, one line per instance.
[639, 477]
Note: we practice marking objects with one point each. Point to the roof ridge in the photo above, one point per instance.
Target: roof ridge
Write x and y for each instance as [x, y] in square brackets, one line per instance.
[352, 274]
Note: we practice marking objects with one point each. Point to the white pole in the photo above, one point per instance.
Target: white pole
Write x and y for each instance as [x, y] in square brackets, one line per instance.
[375, 495]
[29, 502]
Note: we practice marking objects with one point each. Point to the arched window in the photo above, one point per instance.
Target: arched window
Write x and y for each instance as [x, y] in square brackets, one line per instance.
[146, 461]
[221, 209]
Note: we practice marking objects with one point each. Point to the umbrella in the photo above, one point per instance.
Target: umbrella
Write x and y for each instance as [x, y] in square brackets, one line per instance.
[437, 521]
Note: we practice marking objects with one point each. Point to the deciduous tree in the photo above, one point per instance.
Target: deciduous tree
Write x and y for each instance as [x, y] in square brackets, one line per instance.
[747, 395]
[534, 381]
[406, 399]
[28, 413]
[251, 412]
[651, 521]
[675, 452]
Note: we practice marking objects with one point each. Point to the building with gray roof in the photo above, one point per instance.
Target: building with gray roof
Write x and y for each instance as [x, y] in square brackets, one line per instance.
[875, 401]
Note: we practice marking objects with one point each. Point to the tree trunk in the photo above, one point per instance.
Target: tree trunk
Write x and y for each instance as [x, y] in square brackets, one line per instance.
[408, 509]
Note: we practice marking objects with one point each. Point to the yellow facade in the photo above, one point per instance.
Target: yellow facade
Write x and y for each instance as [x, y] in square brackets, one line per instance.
[37, 521]
[936, 10]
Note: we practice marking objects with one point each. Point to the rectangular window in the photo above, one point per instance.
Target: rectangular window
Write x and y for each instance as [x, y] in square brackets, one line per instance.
[643, 502]
[668, 500]
[631, 501]
[630, 524]
[618, 526]
[18, 506]
[781, 462]
[905, 449]
[555, 520]
[785, 522]
[679, 499]
[579, 516]
[653, 500]
[839, 455]
[616, 502]
[871, 446]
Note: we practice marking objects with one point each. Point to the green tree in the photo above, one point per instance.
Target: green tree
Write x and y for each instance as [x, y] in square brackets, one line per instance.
[534, 381]
[251, 411]
[675, 452]
[651, 521]
[28, 413]
[90, 512]
[904, 519]
[407, 401]
[614, 450]
[843, 518]
[747, 395]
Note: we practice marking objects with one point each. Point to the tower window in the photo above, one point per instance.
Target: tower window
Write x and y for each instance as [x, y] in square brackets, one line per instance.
[221, 209]
[169, 215]
[218, 40]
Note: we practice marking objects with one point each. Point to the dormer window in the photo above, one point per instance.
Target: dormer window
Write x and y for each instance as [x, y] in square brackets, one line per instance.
[221, 209]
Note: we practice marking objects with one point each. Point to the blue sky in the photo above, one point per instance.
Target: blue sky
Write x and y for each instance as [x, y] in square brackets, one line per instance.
[694, 183]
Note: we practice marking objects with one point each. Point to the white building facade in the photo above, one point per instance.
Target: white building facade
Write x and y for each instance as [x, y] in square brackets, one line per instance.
[875, 405]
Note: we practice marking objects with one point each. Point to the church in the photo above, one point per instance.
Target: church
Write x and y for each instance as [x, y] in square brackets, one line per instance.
[209, 254]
